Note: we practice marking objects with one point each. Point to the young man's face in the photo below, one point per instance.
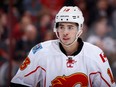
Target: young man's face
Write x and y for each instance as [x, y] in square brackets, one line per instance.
[67, 32]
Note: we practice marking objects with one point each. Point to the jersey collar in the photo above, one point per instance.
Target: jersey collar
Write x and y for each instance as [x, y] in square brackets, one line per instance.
[78, 49]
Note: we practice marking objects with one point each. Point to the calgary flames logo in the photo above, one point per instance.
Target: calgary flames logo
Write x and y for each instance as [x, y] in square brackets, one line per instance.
[71, 81]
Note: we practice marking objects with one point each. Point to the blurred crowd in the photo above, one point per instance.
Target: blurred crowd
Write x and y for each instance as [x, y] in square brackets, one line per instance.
[33, 20]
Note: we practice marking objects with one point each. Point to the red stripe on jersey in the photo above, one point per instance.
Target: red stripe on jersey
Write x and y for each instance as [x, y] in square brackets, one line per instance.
[100, 76]
[34, 71]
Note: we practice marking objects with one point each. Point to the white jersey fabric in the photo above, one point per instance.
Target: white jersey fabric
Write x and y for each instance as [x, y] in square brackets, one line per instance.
[47, 64]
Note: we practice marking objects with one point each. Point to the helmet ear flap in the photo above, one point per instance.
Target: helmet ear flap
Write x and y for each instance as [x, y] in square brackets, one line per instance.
[57, 24]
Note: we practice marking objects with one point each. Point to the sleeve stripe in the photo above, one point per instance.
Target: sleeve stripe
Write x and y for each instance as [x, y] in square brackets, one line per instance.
[100, 76]
[34, 71]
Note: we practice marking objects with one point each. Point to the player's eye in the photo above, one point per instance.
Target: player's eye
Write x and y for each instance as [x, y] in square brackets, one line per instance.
[70, 27]
[61, 27]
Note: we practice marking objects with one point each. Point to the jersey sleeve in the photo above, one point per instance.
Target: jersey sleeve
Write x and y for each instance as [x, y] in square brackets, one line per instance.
[30, 71]
[102, 75]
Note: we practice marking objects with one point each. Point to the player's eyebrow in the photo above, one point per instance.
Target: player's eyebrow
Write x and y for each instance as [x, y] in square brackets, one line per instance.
[61, 24]
[69, 25]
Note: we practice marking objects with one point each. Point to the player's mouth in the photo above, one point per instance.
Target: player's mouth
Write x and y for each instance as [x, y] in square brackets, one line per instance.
[66, 39]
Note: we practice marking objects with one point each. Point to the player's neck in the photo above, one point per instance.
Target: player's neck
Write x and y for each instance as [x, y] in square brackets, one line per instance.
[71, 49]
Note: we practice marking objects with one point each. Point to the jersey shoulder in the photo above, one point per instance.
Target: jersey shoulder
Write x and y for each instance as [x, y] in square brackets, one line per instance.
[44, 47]
[92, 52]
[91, 48]
[42, 51]
[49, 44]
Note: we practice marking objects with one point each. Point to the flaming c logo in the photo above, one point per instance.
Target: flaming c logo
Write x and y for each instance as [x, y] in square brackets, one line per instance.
[71, 81]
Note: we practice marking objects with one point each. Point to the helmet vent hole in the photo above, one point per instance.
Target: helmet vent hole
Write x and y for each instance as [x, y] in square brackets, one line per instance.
[77, 16]
[61, 19]
[67, 19]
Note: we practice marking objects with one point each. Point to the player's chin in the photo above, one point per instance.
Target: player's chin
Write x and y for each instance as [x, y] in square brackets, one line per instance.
[66, 43]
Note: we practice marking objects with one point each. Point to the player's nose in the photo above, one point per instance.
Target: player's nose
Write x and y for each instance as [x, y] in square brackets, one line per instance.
[66, 31]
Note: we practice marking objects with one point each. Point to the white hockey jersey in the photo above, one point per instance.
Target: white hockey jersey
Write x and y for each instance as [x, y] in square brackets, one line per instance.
[47, 64]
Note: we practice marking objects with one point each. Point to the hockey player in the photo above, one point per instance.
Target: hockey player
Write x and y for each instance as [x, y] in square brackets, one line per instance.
[66, 62]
